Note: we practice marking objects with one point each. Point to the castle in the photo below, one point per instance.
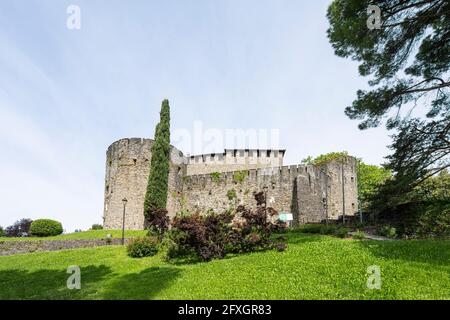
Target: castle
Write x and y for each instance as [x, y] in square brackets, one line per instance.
[217, 181]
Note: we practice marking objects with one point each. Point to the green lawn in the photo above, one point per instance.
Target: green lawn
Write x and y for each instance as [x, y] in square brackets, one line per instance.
[91, 234]
[313, 267]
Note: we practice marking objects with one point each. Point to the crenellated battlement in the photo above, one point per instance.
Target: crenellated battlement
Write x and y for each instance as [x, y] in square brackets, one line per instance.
[234, 159]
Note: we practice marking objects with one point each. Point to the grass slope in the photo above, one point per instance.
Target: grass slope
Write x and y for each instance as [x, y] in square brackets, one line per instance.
[313, 267]
[91, 234]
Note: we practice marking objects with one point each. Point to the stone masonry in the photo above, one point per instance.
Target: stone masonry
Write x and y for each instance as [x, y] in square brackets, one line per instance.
[218, 182]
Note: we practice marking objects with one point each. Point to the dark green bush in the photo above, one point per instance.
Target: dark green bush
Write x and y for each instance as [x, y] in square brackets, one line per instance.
[143, 247]
[435, 221]
[46, 228]
[174, 245]
[341, 232]
[310, 228]
[328, 229]
[97, 227]
[2, 232]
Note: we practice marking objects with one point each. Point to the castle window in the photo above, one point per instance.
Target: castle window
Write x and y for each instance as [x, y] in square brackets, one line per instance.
[268, 153]
[107, 189]
[134, 161]
[353, 205]
[353, 179]
[258, 153]
[234, 153]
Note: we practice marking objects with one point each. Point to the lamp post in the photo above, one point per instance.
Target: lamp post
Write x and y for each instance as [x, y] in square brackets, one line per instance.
[123, 220]
[343, 191]
[358, 181]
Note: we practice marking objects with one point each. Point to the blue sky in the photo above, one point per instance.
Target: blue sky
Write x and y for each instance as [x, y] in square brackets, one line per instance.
[66, 95]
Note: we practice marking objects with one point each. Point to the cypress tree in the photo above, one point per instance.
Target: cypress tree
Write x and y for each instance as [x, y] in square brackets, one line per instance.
[156, 196]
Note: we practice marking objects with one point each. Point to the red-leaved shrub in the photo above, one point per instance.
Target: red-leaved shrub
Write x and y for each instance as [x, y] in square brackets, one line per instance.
[215, 235]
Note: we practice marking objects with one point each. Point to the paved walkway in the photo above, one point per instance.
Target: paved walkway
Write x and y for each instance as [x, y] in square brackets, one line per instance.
[373, 237]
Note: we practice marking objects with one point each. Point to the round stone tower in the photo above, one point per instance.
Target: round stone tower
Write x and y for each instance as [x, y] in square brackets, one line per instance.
[127, 170]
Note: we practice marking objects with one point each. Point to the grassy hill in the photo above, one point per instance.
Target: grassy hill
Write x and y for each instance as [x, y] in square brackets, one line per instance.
[91, 234]
[313, 267]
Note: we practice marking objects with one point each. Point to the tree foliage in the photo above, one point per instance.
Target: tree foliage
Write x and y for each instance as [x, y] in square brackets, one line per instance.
[424, 211]
[325, 158]
[370, 179]
[19, 228]
[433, 189]
[407, 61]
[157, 188]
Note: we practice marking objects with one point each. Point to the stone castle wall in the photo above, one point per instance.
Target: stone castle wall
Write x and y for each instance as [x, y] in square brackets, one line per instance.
[342, 194]
[317, 193]
[127, 170]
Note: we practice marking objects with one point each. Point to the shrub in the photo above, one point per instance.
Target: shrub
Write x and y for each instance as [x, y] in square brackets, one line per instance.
[2, 232]
[387, 231]
[97, 227]
[359, 235]
[204, 235]
[310, 228]
[173, 244]
[328, 229]
[435, 221]
[213, 236]
[142, 247]
[46, 228]
[341, 232]
[324, 229]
